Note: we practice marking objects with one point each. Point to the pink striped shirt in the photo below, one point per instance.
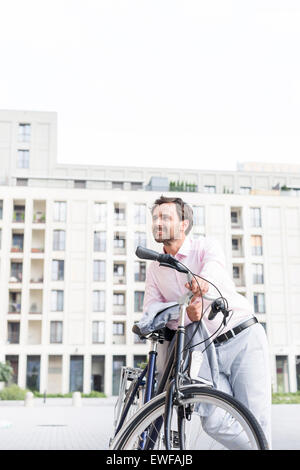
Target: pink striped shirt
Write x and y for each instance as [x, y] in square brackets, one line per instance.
[205, 257]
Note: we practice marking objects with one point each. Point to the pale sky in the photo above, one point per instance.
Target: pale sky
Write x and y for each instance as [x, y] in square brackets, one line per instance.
[163, 83]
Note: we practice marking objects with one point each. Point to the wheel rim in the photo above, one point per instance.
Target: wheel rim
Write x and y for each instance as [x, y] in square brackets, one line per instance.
[196, 435]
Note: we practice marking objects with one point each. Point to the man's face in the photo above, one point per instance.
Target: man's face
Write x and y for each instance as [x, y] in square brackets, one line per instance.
[166, 225]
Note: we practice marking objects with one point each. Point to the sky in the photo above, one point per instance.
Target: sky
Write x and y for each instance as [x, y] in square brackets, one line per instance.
[160, 83]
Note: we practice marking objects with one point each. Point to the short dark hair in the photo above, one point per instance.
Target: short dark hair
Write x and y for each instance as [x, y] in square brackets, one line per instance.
[184, 210]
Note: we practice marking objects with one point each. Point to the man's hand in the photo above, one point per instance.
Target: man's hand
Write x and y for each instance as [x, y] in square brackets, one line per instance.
[194, 310]
[195, 288]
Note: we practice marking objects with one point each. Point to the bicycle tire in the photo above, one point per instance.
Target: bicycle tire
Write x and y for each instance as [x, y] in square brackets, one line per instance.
[129, 434]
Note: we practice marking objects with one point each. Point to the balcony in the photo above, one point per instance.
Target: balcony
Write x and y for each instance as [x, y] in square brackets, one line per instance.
[17, 245]
[238, 275]
[120, 214]
[19, 213]
[34, 332]
[38, 241]
[39, 217]
[35, 301]
[14, 307]
[36, 272]
[13, 338]
[236, 218]
[16, 270]
[14, 303]
[237, 247]
[119, 243]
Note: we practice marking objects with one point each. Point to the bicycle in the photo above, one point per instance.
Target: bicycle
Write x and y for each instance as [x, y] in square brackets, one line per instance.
[180, 412]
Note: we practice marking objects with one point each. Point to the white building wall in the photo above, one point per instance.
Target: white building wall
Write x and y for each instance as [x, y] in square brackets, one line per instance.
[49, 182]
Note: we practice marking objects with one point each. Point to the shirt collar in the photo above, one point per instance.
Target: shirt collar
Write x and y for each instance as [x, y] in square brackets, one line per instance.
[184, 249]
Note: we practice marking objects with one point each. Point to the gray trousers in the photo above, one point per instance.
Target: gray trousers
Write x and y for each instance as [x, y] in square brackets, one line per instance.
[244, 373]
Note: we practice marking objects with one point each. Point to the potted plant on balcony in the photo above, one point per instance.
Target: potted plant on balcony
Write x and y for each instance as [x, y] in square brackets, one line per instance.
[6, 372]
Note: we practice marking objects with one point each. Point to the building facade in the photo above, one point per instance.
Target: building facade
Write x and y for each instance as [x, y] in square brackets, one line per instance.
[71, 285]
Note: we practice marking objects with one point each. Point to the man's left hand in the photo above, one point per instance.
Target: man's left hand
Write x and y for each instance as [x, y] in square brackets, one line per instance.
[195, 288]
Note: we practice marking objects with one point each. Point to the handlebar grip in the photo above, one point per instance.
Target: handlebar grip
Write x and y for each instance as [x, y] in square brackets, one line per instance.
[146, 253]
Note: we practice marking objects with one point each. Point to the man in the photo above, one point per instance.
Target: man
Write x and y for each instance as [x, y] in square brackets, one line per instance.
[242, 356]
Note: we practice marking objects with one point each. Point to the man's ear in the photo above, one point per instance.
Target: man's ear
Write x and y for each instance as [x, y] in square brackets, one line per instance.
[185, 224]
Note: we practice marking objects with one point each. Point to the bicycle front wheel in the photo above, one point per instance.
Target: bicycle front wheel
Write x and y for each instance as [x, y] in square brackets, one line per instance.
[212, 420]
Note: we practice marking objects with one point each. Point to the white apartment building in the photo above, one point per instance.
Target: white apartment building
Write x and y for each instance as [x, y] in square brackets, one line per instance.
[70, 284]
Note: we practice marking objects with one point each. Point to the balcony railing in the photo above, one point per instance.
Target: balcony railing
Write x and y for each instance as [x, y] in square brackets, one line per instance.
[37, 250]
[19, 217]
[17, 249]
[16, 277]
[14, 308]
[13, 338]
[119, 279]
[119, 309]
[39, 218]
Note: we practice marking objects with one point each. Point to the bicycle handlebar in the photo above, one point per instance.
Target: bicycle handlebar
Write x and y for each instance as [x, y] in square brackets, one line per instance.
[164, 259]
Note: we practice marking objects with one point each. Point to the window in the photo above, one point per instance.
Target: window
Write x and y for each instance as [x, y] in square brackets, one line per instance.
[59, 240]
[119, 213]
[137, 339]
[98, 301]
[256, 245]
[22, 182]
[99, 270]
[60, 211]
[79, 184]
[245, 190]
[258, 273]
[14, 302]
[209, 189]
[24, 132]
[282, 372]
[1, 210]
[117, 185]
[13, 332]
[23, 159]
[234, 217]
[100, 212]
[236, 272]
[33, 373]
[139, 271]
[118, 328]
[99, 241]
[140, 239]
[139, 360]
[98, 332]
[56, 331]
[235, 244]
[19, 213]
[17, 241]
[119, 241]
[255, 213]
[136, 186]
[57, 300]
[58, 270]
[198, 215]
[16, 272]
[259, 302]
[119, 299]
[138, 301]
[139, 213]
[119, 269]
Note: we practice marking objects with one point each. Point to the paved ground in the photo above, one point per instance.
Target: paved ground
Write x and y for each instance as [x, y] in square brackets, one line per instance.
[59, 425]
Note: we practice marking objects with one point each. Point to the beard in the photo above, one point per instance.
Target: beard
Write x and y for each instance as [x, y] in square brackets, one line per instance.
[163, 236]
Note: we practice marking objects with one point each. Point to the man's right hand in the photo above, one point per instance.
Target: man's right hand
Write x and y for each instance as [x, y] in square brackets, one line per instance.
[194, 310]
